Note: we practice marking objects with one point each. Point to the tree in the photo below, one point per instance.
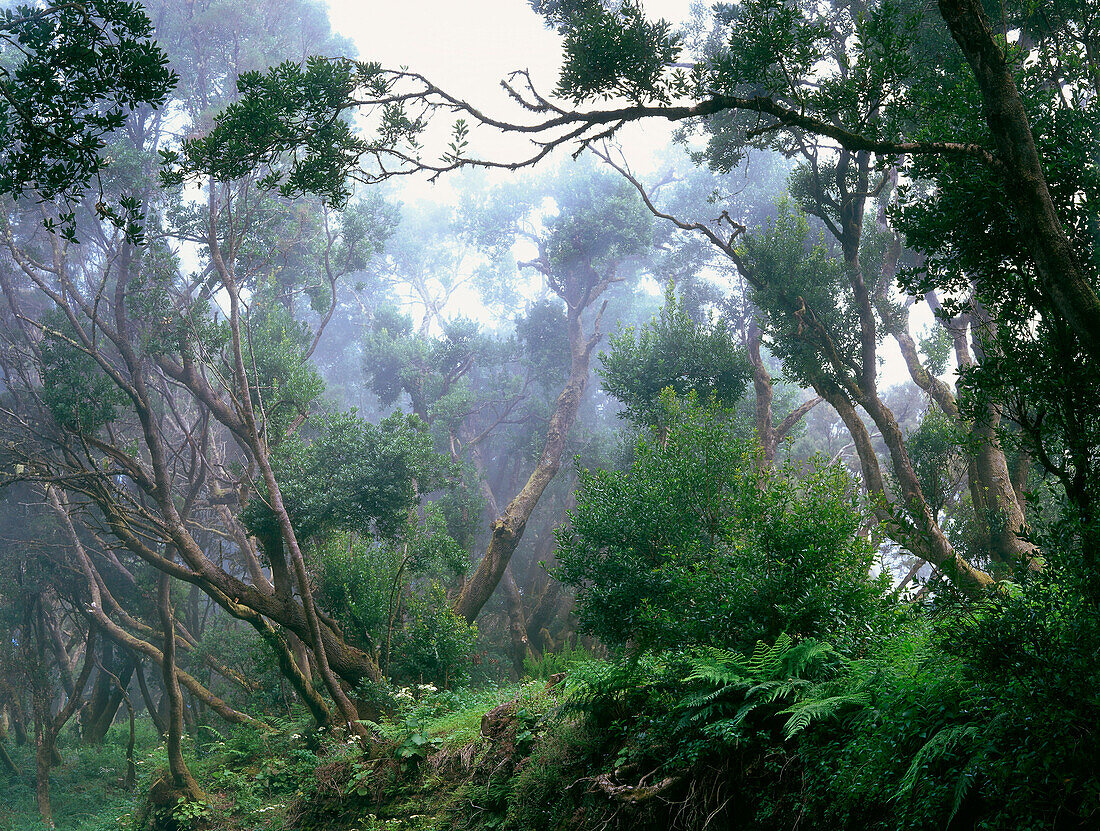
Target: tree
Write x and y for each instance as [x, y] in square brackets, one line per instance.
[70, 75]
[766, 69]
[760, 84]
[675, 352]
[696, 544]
[143, 411]
[584, 249]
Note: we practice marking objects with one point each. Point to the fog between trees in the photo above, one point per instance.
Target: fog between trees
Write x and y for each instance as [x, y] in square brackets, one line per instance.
[779, 454]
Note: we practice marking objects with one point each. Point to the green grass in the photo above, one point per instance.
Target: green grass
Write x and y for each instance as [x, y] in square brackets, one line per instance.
[463, 724]
[253, 778]
[86, 790]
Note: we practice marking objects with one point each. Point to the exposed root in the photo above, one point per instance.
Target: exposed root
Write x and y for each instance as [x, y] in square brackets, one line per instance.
[633, 794]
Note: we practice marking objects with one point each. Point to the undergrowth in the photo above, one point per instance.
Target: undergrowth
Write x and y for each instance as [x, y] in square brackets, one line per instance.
[914, 732]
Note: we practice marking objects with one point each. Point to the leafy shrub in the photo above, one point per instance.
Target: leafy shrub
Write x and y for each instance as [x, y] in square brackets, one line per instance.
[435, 644]
[77, 391]
[1031, 655]
[695, 544]
[673, 350]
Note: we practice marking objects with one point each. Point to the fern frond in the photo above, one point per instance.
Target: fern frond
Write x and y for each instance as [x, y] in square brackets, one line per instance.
[940, 745]
[807, 654]
[788, 689]
[762, 690]
[805, 713]
[743, 713]
[718, 666]
[767, 661]
[720, 676]
[967, 777]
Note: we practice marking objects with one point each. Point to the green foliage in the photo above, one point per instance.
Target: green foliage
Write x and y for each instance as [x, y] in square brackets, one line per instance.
[548, 664]
[612, 52]
[430, 370]
[803, 292]
[288, 125]
[87, 792]
[166, 326]
[959, 722]
[770, 42]
[1030, 359]
[600, 223]
[696, 544]
[937, 448]
[355, 581]
[1032, 684]
[544, 336]
[352, 476]
[731, 688]
[75, 387]
[388, 353]
[190, 813]
[370, 584]
[282, 383]
[69, 76]
[673, 351]
[435, 645]
[237, 645]
[415, 746]
[455, 714]
[935, 349]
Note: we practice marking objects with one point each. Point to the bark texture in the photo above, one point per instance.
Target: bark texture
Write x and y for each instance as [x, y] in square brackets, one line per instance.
[508, 527]
[1056, 264]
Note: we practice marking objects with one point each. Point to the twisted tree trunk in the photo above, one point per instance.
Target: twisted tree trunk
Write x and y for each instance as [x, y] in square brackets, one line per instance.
[1061, 274]
[182, 780]
[508, 527]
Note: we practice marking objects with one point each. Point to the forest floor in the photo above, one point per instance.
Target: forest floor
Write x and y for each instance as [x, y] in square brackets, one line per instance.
[441, 760]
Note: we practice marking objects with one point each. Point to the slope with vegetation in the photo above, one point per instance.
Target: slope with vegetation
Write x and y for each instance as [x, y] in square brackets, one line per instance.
[296, 534]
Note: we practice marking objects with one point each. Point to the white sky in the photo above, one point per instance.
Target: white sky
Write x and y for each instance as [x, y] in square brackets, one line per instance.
[468, 47]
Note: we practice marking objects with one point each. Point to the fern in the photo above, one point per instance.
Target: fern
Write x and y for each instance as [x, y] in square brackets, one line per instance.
[767, 661]
[808, 655]
[809, 711]
[721, 667]
[778, 673]
[939, 746]
[601, 689]
[955, 740]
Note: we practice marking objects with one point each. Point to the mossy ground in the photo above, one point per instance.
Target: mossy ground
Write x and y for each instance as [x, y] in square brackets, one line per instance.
[423, 772]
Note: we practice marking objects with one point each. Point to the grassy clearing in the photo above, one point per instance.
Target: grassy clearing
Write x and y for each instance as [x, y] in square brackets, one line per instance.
[414, 777]
[87, 789]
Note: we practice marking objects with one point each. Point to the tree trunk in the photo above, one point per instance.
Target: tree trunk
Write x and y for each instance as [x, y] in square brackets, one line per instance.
[298, 679]
[150, 706]
[18, 721]
[767, 431]
[259, 448]
[107, 696]
[131, 767]
[6, 761]
[181, 778]
[50, 727]
[998, 511]
[928, 540]
[517, 625]
[508, 528]
[1061, 275]
[95, 612]
[1000, 518]
[764, 392]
